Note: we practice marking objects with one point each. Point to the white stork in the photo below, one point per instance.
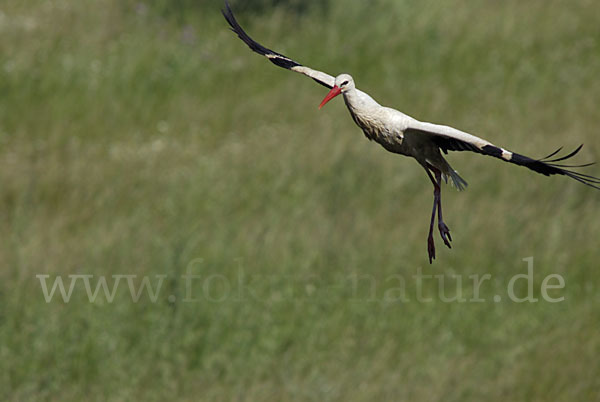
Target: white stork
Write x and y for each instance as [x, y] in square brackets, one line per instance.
[402, 134]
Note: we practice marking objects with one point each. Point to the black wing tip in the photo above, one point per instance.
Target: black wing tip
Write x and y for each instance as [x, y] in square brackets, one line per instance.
[548, 160]
[274, 57]
[235, 27]
[228, 14]
[549, 167]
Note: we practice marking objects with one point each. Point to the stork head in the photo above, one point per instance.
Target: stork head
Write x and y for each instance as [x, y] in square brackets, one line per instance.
[343, 83]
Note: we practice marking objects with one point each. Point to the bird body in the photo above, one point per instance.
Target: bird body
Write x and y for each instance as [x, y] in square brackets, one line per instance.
[402, 134]
[399, 133]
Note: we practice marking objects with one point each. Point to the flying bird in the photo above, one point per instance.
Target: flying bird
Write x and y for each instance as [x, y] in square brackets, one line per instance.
[404, 135]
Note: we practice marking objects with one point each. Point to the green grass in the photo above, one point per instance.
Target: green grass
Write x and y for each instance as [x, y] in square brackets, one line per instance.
[137, 141]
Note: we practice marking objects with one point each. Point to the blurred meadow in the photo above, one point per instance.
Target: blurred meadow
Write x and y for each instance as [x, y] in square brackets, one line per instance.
[143, 138]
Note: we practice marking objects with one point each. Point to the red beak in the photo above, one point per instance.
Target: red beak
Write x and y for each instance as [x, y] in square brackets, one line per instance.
[335, 91]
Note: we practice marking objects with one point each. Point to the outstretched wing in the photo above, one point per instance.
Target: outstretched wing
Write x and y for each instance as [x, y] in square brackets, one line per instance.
[275, 58]
[451, 139]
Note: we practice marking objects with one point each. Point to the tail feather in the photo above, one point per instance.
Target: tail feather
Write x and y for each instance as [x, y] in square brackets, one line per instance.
[459, 183]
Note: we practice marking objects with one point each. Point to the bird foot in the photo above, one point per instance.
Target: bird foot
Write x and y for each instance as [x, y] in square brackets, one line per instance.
[431, 248]
[445, 233]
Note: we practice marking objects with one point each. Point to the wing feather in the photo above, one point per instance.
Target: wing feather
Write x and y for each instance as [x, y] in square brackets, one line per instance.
[451, 139]
[276, 58]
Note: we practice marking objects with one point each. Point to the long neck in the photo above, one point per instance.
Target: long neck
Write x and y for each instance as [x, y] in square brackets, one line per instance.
[364, 111]
[359, 102]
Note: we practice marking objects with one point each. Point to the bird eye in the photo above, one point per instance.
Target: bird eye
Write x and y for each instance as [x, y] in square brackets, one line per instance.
[344, 83]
